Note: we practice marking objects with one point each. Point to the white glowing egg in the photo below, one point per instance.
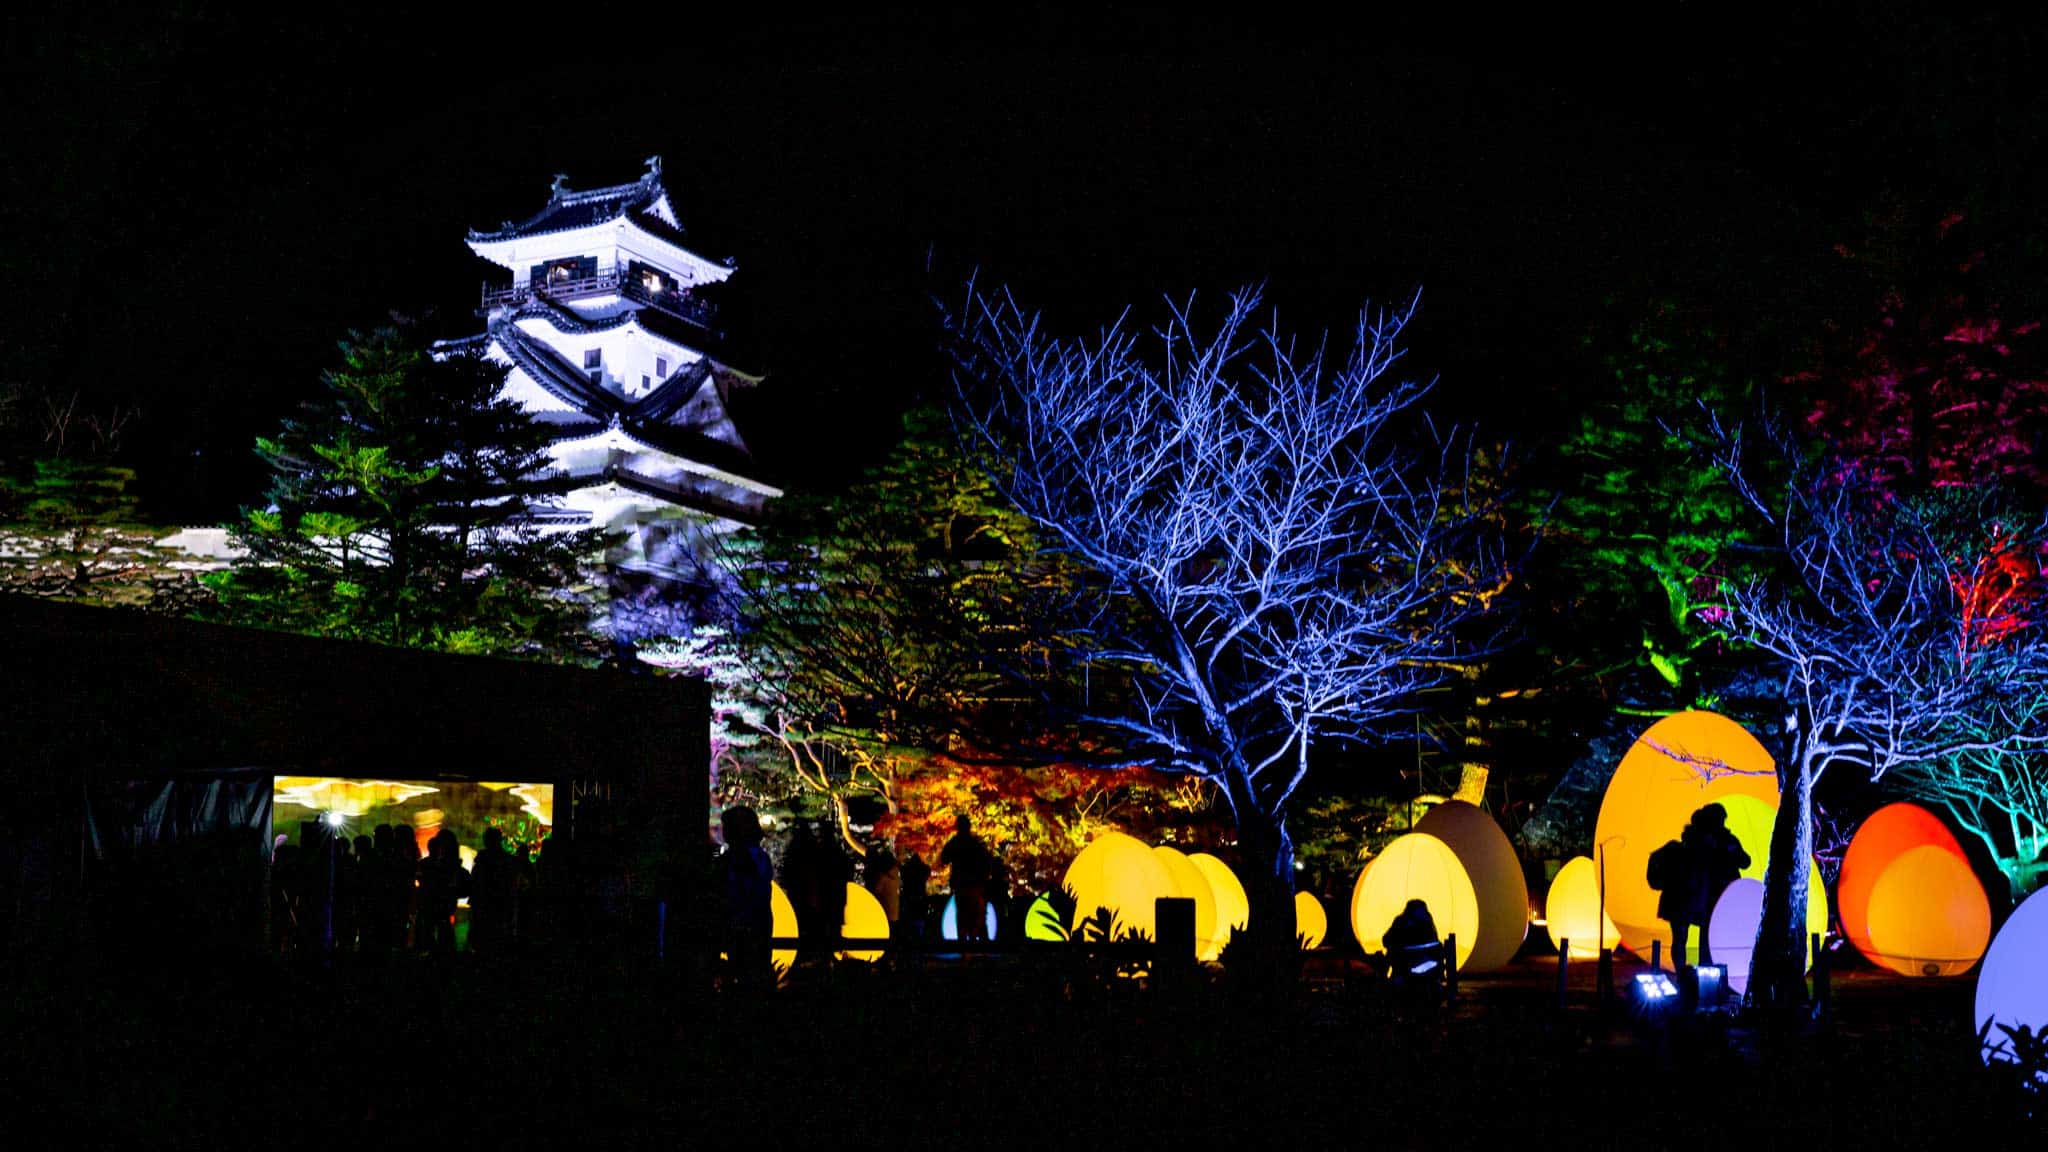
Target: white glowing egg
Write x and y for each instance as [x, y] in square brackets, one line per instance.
[2012, 990]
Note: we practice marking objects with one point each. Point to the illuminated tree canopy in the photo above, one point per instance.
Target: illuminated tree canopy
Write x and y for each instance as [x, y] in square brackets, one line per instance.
[1274, 554]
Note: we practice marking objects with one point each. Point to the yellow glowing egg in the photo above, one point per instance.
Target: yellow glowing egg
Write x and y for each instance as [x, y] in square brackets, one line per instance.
[1416, 866]
[1572, 911]
[1192, 884]
[1233, 910]
[782, 925]
[1311, 923]
[1883, 837]
[2011, 992]
[1751, 821]
[865, 919]
[1654, 792]
[1928, 914]
[1123, 875]
[1496, 874]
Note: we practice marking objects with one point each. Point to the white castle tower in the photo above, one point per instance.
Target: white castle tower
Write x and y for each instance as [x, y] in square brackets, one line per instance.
[609, 346]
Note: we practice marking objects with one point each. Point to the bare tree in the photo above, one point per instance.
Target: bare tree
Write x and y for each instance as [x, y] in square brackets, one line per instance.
[1889, 660]
[1280, 555]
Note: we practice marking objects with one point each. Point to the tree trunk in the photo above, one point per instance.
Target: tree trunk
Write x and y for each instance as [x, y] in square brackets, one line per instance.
[1267, 870]
[1777, 970]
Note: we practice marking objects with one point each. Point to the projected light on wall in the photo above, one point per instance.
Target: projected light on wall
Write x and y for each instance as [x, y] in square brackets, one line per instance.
[420, 809]
[1121, 874]
[2011, 990]
[1496, 874]
[1190, 882]
[865, 919]
[949, 920]
[1311, 923]
[350, 799]
[1654, 793]
[1571, 910]
[1233, 910]
[1416, 866]
[1934, 918]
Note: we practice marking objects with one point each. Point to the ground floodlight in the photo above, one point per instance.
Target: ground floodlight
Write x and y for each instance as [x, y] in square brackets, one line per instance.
[1712, 983]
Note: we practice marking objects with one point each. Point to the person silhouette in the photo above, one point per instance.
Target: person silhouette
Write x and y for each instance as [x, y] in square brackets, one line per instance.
[915, 895]
[746, 876]
[1411, 934]
[1715, 858]
[969, 867]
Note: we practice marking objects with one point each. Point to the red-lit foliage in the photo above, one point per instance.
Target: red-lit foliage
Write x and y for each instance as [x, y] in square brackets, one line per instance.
[2000, 590]
[1941, 390]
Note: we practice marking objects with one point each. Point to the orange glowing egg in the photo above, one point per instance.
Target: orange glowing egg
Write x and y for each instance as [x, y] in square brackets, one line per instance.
[1928, 915]
[1883, 837]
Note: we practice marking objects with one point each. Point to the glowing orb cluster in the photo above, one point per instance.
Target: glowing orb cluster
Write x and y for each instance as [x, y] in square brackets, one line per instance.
[1311, 923]
[1496, 874]
[2011, 990]
[1120, 874]
[865, 919]
[1233, 909]
[1416, 866]
[1654, 792]
[1572, 910]
[1910, 901]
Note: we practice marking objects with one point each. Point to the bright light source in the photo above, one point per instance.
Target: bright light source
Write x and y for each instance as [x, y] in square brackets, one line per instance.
[334, 819]
[1654, 989]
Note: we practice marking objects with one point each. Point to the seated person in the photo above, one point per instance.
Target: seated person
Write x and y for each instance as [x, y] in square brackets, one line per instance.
[1412, 932]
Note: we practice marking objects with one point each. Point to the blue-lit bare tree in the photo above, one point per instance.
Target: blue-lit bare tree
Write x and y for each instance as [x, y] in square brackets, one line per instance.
[1283, 549]
[1889, 657]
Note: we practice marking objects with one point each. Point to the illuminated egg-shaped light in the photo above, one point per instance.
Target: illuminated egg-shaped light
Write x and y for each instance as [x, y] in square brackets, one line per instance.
[1042, 921]
[1731, 930]
[781, 924]
[1572, 910]
[949, 920]
[1416, 866]
[1233, 909]
[1751, 820]
[1194, 885]
[1496, 875]
[1654, 792]
[865, 919]
[1883, 837]
[1123, 875]
[1928, 915]
[1311, 923]
[2011, 990]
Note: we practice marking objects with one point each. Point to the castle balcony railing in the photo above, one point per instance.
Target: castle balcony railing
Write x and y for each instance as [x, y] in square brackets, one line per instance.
[676, 302]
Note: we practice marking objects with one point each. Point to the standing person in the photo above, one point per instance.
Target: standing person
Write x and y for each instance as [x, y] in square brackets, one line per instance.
[915, 894]
[1670, 872]
[1716, 859]
[746, 874]
[885, 880]
[441, 885]
[968, 864]
[490, 903]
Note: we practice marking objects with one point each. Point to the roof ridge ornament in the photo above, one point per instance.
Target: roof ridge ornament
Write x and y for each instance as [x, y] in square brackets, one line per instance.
[653, 167]
[560, 186]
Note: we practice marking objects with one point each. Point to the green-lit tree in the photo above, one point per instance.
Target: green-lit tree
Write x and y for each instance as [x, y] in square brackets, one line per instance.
[1644, 525]
[396, 513]
[71, 524]
[890, 619]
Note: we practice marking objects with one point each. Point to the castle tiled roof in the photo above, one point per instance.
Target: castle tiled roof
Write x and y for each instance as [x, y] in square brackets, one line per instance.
[566, 210]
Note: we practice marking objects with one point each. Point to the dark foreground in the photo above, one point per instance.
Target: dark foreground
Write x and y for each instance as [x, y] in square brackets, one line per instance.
[995, 1051]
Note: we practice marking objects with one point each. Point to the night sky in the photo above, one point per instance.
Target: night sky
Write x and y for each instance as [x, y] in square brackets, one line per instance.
[198, 202]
